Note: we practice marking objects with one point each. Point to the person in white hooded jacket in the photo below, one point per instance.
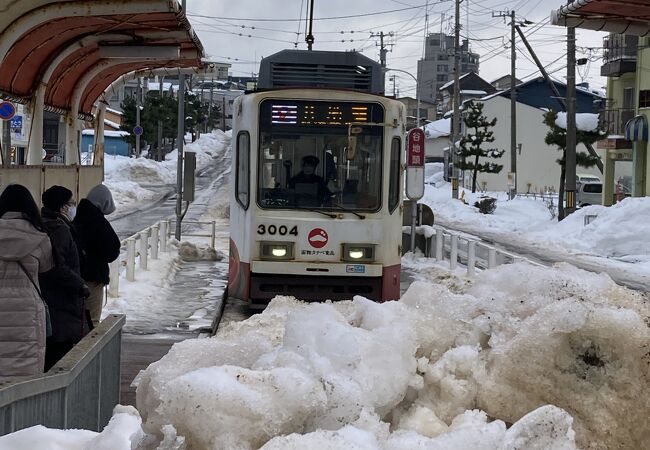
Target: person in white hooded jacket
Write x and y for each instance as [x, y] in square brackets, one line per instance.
[25, 251]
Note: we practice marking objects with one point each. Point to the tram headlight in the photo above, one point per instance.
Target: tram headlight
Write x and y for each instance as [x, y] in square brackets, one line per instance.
[276, 251]
[359, 252]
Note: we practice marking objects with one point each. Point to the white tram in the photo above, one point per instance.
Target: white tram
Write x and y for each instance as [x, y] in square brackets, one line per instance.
[316, 204]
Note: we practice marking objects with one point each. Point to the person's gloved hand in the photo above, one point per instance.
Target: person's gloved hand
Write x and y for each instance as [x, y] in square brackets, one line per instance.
[84, 292]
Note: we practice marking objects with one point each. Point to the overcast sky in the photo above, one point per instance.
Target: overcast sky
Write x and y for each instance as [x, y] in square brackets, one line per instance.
[279, 24]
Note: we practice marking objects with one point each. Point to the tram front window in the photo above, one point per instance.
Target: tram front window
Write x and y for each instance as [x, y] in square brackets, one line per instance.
[313, 171]
[311, 167]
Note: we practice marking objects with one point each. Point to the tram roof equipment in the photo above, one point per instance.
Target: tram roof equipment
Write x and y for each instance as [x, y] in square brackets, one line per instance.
[321, 69]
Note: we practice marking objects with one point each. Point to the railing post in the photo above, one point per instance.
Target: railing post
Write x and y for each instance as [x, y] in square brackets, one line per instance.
[114, 283]
[144, 248]
[471, 258]
[440, 240]
[154, 241]
[130, 259]
[492, 257]
[163, 235]
[453, 254]
[213, 234]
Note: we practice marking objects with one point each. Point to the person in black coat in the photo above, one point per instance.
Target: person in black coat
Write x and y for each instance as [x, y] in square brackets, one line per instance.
[100, 244]
[62, 287]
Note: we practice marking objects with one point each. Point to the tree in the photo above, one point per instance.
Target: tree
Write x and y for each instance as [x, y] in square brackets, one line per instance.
[471, 144]
[556, 136]
[165, 109]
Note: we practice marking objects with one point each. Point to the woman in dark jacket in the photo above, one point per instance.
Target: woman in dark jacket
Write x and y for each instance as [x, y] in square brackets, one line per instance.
[99, 242]
[63, 288]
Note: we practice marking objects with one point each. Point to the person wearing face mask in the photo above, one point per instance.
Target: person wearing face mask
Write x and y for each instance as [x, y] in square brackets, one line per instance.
[309, 186]
[63, 288]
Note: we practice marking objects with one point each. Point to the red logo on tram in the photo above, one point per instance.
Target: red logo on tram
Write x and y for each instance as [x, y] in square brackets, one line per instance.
[317, 238]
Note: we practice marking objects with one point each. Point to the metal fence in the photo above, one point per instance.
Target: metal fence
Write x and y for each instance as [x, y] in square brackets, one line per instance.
[446, 245]
[80, 391]
[147, 244]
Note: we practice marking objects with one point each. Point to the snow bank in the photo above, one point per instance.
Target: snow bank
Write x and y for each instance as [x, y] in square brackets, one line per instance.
[437, 128]
[447, 367]
[129, 178]
[123, 432]
[189, 251]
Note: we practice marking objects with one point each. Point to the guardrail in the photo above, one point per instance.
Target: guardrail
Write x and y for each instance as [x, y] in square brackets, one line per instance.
[148, 243]
[446, 245]
[80, 391]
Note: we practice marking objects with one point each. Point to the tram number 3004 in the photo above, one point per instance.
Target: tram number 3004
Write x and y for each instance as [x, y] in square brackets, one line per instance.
[282, 230]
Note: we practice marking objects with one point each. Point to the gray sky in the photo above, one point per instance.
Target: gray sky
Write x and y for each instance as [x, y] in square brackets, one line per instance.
[226, 37]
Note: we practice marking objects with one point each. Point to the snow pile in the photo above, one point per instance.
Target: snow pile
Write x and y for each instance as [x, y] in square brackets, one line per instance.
[584, 121]
[189, 251]
[123, 432]
[128, 178]
[447, 367]
[437, 128]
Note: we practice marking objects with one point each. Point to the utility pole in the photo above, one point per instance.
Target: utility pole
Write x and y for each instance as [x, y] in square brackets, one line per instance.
[309, 39]
[570, 157]
[455, 136]
[181, 141]
[382, 46]
[6, 143]
[556, 93]
[223, 114]
[160, 123]
[513, 102]
[138, 104]
[208, 127]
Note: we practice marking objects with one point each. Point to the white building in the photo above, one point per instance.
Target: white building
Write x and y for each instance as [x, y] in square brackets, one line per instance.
[537, 167]
[437, 139]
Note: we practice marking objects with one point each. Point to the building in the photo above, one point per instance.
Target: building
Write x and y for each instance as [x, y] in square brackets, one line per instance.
[437, 67]
[471, 87]
[537, 167]
[436, 139]
[427, 111]
[504, 82]
[626, 64]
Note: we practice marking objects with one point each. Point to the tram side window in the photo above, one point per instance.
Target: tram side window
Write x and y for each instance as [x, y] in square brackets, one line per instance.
[242, 181]
[394, 183]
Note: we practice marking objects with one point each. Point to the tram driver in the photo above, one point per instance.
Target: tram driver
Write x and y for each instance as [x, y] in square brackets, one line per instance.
[309, 187]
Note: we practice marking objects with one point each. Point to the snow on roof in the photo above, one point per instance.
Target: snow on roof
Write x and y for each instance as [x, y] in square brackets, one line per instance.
[112, 124]
[584, 121]
[446, 85]
[107, 133]
[115, 111]
[472, 92]
[437, 128]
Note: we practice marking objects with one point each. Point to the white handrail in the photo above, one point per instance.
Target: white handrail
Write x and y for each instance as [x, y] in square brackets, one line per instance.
[152, 240]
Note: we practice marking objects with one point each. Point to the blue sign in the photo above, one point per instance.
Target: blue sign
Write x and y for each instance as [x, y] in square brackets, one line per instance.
[138, 130]
[355, 268]
[17, 124]
[7, 110]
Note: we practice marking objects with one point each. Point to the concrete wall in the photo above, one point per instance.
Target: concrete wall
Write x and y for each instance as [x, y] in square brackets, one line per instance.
[435, 147]
[536, 165]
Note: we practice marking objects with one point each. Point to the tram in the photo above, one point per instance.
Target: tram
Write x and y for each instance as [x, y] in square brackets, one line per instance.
[316, 203]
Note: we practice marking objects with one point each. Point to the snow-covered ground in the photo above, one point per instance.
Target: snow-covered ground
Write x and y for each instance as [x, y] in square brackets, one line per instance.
[130, 179]
[617, 236]
[559, 361]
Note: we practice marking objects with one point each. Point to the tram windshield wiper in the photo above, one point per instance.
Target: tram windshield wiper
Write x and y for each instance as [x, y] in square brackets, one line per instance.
[331, 216]
[343, 208]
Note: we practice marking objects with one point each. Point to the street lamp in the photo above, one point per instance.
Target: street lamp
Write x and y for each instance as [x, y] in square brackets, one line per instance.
[414, 204]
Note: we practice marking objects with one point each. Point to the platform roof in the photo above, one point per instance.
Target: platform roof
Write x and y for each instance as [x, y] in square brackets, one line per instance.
[78, 48]
[615, 16]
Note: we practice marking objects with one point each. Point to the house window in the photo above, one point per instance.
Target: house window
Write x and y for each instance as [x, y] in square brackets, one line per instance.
[644, 99]
[394, 185]
[242, 182]
[441, 77]
[628, 98]
[443, 68]
[434, 42]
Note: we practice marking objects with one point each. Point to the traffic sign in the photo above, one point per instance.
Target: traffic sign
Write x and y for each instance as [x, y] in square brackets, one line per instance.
[415, 152]
[138, 130]
[7, 110]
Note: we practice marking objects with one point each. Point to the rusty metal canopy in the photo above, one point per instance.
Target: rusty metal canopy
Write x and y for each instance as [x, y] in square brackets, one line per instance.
[58, 43]
[615, 16]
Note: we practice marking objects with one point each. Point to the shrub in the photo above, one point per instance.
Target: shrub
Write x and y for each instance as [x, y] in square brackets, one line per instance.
[486, 205]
